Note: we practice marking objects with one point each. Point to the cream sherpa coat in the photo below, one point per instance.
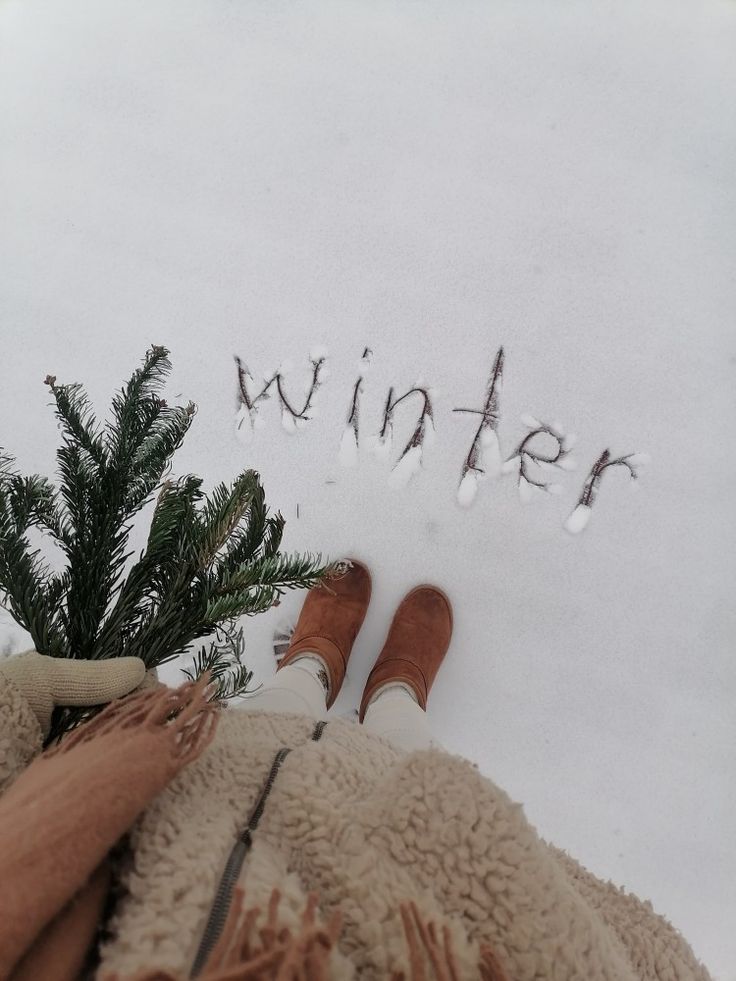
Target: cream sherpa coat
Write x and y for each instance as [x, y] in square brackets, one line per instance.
[345, 815]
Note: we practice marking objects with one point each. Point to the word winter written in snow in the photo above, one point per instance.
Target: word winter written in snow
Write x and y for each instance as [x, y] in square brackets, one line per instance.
[483, 460]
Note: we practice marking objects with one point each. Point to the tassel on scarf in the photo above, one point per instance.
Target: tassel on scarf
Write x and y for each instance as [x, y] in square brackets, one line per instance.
[268, 953]
[245, 953]
[425, 945]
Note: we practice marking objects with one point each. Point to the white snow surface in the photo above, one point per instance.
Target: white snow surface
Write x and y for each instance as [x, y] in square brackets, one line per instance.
[468, 489]
[270, 178]
[579, 519]
[409, 465]
[348, 448]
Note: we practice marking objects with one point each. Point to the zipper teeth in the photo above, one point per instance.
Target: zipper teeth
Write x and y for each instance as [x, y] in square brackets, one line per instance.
[220, 906]
[221, 903]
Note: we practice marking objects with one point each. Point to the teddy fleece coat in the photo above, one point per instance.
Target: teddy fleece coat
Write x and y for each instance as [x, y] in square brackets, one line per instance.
[279, 803]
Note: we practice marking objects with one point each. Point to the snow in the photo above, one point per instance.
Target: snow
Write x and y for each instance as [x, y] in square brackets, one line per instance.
[381, 447]
[578, 519]
[553, 178]
[468, 489]
[288, 422]
[511, 465]
[526, 490]
[348, 449]
[409, 465]
[639, 459]
[489, 453]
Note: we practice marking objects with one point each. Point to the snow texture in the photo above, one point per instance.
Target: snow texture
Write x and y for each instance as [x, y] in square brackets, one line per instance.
[381, 447]
[408, 465]
[468, 489]
[511, 465]
[527, 491]
[430, 184]
[348, 449]
[579, 519]
[288, 422]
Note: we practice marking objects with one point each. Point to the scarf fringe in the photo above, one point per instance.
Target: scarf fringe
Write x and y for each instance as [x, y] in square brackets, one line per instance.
[272, 954]
[277, 954]
[188, 713]
[424, 942]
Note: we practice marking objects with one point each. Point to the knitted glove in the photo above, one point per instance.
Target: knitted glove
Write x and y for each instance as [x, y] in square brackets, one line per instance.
[48, 681]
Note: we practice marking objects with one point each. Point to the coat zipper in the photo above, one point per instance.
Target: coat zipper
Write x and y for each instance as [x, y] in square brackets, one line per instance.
[221, 904]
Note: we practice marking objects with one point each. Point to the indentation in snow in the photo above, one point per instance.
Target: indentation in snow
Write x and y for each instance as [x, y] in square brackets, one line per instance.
[348, 454]
[408, 465]
[578, 519]
[468, 489]
[510, 465]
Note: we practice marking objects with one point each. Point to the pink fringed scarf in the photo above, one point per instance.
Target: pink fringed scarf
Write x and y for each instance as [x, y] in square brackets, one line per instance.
[65, 811]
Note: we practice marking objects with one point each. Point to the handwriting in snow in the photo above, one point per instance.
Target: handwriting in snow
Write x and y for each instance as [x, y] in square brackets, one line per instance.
[483, 460]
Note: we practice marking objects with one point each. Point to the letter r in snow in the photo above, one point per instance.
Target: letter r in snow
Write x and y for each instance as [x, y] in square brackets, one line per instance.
[580, 517]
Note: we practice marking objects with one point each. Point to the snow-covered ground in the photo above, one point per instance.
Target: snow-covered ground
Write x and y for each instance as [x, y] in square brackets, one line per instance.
[413, 187]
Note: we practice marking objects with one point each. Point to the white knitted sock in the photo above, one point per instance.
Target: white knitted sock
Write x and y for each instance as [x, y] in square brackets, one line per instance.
[315, 665]
[394, 686]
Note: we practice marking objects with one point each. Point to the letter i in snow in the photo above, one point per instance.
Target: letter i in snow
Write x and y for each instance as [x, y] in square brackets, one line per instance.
[484, 458]
[348, 455]
[581, 515]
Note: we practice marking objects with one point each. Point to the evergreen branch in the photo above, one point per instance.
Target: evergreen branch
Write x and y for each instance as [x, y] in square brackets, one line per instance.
[78, 420]
[208, 560]
[133, 407]
[52, 517]
[223, 512]
[246, 541]
[273, 535]
[258, 599]
[282, 572]
[24, 580]
[224, 662]
[96, 553]
[76, 479]
[152, 457]
[170, 542]
[23, 585]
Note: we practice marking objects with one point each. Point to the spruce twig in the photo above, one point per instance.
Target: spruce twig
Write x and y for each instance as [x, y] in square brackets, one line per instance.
[209, 559]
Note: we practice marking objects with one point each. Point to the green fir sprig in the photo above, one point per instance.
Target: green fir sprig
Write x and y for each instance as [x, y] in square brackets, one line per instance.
[209, 559]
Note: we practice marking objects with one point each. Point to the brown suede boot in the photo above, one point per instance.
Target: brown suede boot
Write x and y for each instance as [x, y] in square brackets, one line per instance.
[329, 623]
[416, 645]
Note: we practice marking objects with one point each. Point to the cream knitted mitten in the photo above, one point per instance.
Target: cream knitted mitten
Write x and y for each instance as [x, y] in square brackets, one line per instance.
[48, 681]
